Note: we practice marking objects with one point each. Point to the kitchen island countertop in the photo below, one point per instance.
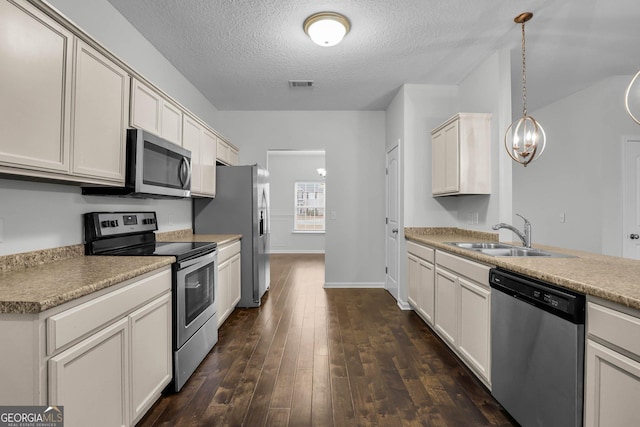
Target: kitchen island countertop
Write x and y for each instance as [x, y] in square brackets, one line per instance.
[612, 278]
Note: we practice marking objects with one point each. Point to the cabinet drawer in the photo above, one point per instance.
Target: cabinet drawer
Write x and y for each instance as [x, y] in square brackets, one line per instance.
[420, 251]
[79, 321]
[227, 251]
[472, 270]
[618, 328]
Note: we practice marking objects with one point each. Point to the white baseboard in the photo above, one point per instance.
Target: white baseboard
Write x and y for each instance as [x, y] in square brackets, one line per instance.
[404, 305]
[354, 285]
[293, 251]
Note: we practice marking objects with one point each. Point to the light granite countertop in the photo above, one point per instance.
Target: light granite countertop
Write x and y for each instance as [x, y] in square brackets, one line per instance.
[38, 288]
[612, 278]
[33, 282]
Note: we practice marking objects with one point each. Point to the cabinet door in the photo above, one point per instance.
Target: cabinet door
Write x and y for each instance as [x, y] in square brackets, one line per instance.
[151, 364]
[413, 273]
[35, 89]
[91, 379]
[223, 287]
[438, 171]
[146, 108]
[426, 290]
[222, 152]
[171, 122]
[451, 158]
[236, 281]
[474, 341]
[447, 308]
[233, 157]
[101, 109]
[191, 141]
[612, 388]
[208, 163]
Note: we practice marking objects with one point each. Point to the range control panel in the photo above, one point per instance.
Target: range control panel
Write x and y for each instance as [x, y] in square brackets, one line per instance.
[103, 224]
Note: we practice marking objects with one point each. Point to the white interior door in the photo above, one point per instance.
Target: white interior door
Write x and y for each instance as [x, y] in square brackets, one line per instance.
[393, 227]
[631, 199]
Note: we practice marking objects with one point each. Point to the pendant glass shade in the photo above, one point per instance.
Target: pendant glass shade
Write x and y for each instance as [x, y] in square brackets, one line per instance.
[632, 98]
[326, 28]
[525, 140]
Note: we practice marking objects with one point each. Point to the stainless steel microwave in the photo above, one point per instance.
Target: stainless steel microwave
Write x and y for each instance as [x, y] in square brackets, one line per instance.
[155, 168]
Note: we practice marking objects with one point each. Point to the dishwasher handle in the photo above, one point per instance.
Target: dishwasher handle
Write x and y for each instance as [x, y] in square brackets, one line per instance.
[558, 301]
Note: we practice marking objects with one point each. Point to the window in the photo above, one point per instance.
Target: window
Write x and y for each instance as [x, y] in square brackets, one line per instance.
[309, 206]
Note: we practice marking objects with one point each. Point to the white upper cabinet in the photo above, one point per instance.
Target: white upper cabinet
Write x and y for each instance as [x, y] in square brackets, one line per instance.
[226, 153]
[100, 111]
[198, 139]
[35, 89]
[461, 155]
[154, 113]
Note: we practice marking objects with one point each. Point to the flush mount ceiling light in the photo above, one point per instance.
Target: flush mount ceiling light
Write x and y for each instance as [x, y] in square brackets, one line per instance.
[525, 139]
[326, 28]
[632, 98]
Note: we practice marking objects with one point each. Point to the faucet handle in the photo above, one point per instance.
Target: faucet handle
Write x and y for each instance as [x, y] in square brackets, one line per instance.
[526, 221]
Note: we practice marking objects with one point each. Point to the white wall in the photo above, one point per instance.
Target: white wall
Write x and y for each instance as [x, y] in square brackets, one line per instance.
[40, 216]
[36, 215]
[580, 172]
[354, 144]
[413, 113]
[286, 167]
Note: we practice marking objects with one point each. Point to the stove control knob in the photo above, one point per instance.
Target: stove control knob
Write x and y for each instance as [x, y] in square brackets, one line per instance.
[113, 224]
[104, 224]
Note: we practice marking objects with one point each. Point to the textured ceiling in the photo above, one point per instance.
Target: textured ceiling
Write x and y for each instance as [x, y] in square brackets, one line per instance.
[241, 53]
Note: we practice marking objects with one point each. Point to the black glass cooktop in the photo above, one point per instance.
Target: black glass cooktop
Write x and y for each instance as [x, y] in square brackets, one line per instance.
[180, 250]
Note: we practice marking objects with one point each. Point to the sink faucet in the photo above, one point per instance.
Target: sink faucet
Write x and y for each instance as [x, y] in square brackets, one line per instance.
[525, 237]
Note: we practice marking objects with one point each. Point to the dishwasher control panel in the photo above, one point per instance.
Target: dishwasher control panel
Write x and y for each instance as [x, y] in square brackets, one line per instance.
[562, 302]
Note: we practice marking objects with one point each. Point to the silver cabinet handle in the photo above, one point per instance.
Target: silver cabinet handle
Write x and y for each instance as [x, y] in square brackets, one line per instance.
[634, 236]
[394, 231]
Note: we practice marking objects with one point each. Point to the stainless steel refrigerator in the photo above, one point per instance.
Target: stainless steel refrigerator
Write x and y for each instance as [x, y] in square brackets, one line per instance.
[241, 206]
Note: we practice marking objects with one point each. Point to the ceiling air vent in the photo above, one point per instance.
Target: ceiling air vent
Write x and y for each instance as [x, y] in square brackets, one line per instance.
[300, 83]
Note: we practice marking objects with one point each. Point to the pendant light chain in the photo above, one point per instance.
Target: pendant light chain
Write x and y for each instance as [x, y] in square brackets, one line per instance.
[524, 75]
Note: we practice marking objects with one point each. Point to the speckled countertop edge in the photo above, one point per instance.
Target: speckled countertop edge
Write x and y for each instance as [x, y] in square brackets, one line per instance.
[39, 288]
[32, 282]
[607, 277]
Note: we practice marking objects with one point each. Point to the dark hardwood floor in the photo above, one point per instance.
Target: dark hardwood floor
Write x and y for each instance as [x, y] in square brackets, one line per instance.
[334, 357]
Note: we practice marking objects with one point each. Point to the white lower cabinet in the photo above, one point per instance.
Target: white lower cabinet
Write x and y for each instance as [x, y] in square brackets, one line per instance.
[421, 280]
[446, 321]
[229, 283]
[452, 294]
[151, 364]
[91, 379]
[612, 366]
[105, 357]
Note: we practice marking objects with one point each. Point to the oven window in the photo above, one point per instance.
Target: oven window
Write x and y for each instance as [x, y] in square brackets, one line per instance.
[199, 292]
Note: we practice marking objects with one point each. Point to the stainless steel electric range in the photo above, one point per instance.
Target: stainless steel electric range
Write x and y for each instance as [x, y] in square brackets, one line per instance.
[195, 329]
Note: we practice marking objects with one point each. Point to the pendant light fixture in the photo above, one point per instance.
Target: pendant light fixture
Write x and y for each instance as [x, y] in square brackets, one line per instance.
[525, 139]
[632, 98]
[326, 28]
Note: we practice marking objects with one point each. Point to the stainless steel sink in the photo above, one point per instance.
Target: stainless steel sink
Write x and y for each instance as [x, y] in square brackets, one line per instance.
[504, 250]
[481, 245]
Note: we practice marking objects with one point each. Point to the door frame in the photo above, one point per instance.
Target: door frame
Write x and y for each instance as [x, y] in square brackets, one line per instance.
[626, 139]
[400, 270]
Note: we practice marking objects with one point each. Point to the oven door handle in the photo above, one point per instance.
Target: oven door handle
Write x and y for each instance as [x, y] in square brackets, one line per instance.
[204, 260]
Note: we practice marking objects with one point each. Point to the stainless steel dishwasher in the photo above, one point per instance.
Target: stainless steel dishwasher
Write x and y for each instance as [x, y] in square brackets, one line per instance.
[537, 350]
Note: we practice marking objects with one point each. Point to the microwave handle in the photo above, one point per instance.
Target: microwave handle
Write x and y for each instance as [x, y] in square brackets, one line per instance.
[185, 169]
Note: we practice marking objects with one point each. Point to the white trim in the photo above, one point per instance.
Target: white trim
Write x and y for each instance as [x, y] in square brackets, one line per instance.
[354, 285]
[296, 251]
[308, 232]
[404, 305]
